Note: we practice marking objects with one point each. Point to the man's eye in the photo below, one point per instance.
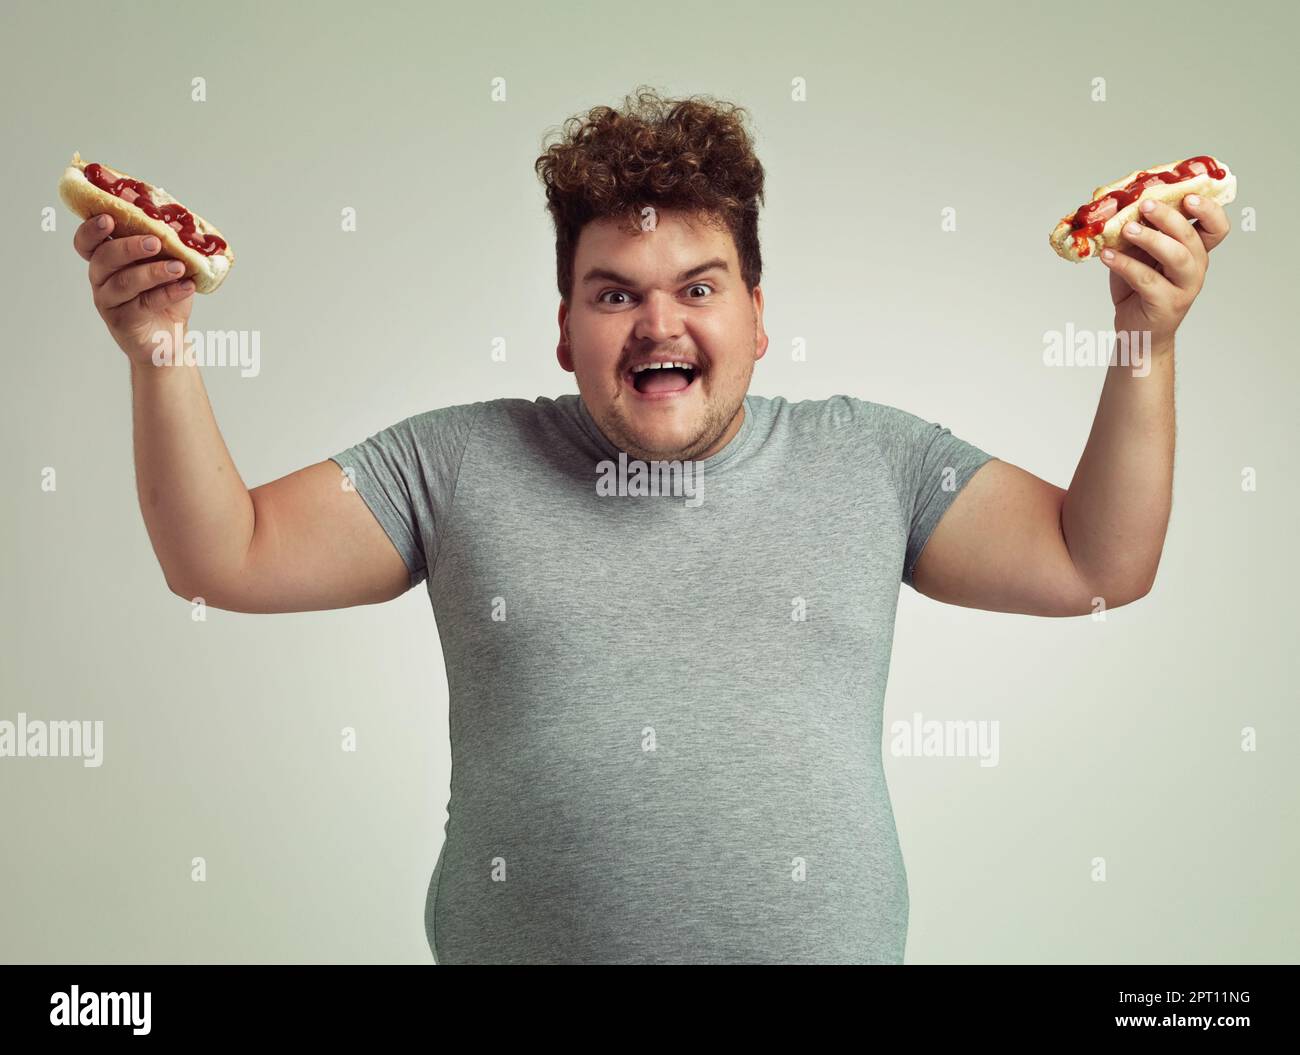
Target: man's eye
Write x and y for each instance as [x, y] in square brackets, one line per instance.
[620, 293]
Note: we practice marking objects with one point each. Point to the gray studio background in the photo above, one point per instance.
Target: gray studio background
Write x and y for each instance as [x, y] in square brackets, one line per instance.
[1119, 739]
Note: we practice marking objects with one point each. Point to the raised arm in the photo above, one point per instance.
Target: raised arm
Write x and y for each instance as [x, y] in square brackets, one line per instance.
[301, 543]
[1000, 547]
[1010, 542]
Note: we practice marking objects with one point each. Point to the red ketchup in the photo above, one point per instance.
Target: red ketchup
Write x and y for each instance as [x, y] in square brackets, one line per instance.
[1091, 218]
[174, 216]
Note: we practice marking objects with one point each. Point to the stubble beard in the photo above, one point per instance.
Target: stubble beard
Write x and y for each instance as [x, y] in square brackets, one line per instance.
[715, 422]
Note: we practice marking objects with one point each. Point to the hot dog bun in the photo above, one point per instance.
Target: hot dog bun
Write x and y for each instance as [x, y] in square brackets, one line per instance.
[1079, 249]
[87, 200]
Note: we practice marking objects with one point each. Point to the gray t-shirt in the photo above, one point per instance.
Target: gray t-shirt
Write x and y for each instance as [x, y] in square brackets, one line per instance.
[665, 709]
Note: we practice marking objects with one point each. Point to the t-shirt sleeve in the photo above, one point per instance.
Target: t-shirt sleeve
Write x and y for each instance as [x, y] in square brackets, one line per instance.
[407, 475]
[929, 467]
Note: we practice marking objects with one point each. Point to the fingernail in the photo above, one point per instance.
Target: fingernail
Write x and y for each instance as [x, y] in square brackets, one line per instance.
[151, 245]
[1193, 200]
[1108, 254]
[1132, 228]
[175, 267]
[101, 222]
[1148, 205]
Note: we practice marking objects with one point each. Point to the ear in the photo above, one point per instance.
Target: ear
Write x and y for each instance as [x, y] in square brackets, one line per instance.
[760, 334]
[563, 352]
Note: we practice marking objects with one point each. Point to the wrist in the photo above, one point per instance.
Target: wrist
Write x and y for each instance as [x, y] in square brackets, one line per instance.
[144, 371]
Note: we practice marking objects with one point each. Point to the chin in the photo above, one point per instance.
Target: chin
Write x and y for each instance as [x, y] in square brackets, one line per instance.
[656, 447]
[656, 441]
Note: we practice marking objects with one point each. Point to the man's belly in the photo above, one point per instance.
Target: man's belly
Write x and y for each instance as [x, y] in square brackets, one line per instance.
[746, 831]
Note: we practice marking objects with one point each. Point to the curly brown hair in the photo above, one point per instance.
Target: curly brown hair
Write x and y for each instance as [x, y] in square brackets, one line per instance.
[693, 154]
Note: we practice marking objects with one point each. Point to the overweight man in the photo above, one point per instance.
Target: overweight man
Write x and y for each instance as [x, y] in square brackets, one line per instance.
[665, 604]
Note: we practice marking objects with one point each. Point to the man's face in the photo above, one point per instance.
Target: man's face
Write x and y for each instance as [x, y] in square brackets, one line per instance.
[646, 295]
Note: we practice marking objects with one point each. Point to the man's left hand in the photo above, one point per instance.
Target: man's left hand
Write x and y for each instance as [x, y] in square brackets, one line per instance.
[1155, 278]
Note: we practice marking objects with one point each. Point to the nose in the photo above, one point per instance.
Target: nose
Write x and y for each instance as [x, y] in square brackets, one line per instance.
[658, 319]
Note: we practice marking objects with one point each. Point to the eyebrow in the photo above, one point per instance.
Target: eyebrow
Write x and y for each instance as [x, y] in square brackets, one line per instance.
[598, 274]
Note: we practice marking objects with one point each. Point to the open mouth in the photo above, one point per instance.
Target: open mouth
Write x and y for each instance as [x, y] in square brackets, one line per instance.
[662, 381]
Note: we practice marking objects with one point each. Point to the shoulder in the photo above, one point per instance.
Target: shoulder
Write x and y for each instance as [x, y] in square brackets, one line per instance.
[834, 416]
[507, 421]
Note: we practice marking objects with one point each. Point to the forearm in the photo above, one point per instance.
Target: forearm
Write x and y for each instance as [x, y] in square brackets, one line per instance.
[196, 508]
[1116, 511]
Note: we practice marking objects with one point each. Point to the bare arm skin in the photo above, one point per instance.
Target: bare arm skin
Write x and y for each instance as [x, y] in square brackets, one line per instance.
[999, 547]
[304, 542]
[1115, 515]
[1011, 542]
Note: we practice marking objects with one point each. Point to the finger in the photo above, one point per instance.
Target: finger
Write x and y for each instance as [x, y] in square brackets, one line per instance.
[1171, 241]
[1171, 220]
[1143, 279]
[88, 235]
[1117, 284]
[161, 297]
[1143, 256]
[153, 304]
[129, 282]
[1212, 224]
[1168, 219]
[117, 253]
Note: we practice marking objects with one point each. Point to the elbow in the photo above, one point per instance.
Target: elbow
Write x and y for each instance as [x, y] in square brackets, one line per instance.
[1144, 589]
[1124, 587]
[221, 600]
[1141, 586]
[1117, 596]
[187, 591]
[1129, 596]
[183, 594]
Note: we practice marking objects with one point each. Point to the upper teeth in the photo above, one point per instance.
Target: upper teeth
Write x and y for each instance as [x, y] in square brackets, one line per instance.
[661, 366]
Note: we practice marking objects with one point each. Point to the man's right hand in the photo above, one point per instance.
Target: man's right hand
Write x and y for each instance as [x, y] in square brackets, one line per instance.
[134, 292]
[301, 543]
